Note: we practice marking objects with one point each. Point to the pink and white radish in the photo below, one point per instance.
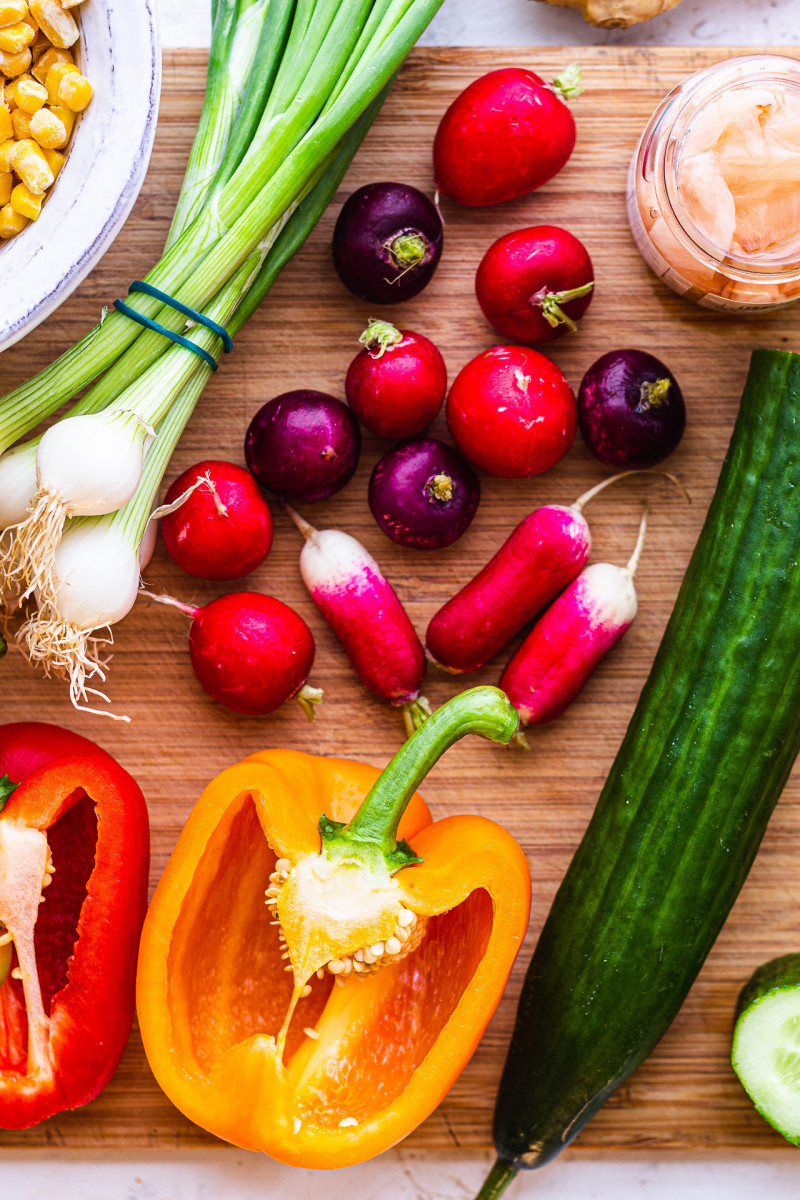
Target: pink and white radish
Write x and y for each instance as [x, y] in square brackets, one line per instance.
[250, 652]
[363, 610]
[571, 639]
[539, 558]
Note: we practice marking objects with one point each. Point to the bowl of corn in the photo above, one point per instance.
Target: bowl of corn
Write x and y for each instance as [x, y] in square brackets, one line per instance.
[79, 91]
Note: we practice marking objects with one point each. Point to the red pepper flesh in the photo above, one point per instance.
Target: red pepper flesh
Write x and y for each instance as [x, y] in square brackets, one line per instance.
[64, 1024]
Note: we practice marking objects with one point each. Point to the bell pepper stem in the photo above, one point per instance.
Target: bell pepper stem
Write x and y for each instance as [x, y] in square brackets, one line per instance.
[372, 833]
[498, 1179]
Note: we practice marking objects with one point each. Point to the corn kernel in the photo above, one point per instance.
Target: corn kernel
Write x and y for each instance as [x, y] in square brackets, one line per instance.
[21, 124]
[65, 115]
[49, 59]
[12, 11]
[41, 46]
[14, 38]
[27, 94]
[6, 128]
[28, 161]
[25, 202]
[6, 149]
[54, 77]
[55, 161]
[6, 184]
[54, 20]
[47, 129]
[74, 91]
[12, 65]
[11, 222]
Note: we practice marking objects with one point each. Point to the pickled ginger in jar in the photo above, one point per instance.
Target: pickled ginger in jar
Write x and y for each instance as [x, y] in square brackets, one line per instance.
[714, 186]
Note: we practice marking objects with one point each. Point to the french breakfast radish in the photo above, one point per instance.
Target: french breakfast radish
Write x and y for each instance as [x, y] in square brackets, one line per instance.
[505, 135]
[535, 284]
[537, 560]
[397, 383]
[572, 637]
[363, 610]
[221, 531]
[250, 652]
[512, 412]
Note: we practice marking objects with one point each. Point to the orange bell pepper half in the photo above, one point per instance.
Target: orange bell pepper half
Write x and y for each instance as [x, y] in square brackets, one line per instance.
[324, 1020]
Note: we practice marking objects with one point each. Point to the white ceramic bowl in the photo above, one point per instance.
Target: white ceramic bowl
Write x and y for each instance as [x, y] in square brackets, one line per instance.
[120, 52]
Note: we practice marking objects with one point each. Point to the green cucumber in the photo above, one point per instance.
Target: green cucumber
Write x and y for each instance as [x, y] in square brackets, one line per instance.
[766, 1043]
[686, 803]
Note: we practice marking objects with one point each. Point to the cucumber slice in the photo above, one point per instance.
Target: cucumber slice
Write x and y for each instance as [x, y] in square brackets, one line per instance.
[766, 1043]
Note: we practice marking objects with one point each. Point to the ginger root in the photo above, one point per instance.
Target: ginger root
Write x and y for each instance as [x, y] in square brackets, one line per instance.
[619, 13]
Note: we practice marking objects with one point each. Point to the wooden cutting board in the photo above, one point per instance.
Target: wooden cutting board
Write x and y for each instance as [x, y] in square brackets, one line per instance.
[685, 1097]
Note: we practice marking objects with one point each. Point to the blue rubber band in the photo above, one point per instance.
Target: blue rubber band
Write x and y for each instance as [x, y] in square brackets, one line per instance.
[193, 314]
[168, 333]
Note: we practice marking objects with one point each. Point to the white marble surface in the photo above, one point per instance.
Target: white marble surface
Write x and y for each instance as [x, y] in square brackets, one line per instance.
[403, 1175]
[227, 1174]
[528, 23]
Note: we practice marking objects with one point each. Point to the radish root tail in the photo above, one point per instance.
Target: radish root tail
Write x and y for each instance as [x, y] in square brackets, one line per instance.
[583, 500]
[633, 562]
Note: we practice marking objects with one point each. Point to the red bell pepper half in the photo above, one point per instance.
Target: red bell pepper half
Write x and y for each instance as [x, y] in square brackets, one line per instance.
[74, 858]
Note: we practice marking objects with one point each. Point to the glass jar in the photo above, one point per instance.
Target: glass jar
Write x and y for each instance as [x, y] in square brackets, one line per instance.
[714, 189]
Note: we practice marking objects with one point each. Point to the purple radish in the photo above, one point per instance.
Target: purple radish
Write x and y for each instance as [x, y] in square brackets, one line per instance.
[387, 242]
[362, 609]
[423, 494]
[303, 445]
[539, 558]
[572, 637]
[630, 409]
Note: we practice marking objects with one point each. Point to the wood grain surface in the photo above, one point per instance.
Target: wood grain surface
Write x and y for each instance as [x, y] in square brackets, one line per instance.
[685, 1097]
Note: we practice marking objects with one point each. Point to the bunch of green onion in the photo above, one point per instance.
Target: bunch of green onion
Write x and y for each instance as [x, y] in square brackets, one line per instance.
[293, 86]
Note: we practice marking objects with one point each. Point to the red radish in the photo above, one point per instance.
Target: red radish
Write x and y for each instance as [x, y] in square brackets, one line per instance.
[535, 284]
[567, 644]
[250, 652]
[512, 412]
[539, 558]
[363, 610]
[397, 384]
[505, 135]
[221, 531]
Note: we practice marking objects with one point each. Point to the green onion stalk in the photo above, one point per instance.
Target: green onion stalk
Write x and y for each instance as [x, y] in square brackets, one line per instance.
[99, 559]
